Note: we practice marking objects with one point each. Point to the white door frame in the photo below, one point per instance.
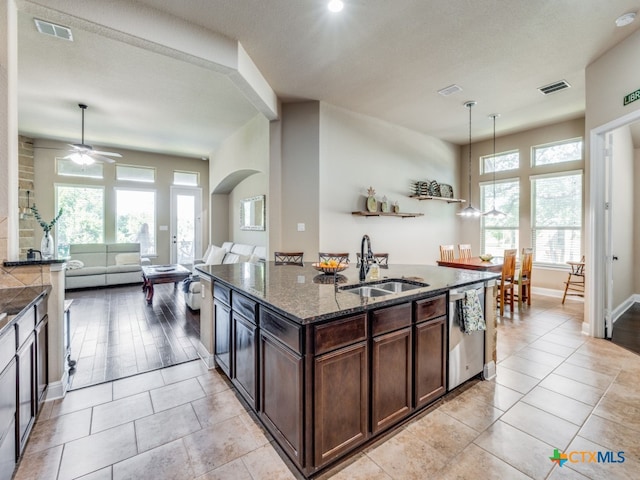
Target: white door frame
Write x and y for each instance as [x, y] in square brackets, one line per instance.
[596, 241]
[197, 191]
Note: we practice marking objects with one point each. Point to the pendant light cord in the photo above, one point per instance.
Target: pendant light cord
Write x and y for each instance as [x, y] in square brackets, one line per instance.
[469, 167]
[494, 162]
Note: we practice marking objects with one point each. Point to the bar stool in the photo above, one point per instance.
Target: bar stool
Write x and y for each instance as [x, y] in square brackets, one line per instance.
[288, 258]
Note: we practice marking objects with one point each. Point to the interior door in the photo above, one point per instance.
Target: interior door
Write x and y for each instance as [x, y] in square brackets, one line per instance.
[608, 215]
[186, 224]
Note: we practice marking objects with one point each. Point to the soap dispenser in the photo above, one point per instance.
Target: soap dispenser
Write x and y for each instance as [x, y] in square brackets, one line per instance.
[374, 271]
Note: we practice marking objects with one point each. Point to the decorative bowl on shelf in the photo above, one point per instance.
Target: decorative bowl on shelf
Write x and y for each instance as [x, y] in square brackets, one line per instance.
[330, 268]
[486, 257]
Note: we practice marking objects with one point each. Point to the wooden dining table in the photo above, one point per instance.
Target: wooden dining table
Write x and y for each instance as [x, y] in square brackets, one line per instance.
[474, 263]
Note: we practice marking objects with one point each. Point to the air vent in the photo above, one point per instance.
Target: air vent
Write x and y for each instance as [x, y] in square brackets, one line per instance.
[554, 87]
[451, 89]
[52, 29]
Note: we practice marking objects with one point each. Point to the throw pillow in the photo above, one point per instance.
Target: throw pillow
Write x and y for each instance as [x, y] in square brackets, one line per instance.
[132, 258]
[215, 256]
[74, 264]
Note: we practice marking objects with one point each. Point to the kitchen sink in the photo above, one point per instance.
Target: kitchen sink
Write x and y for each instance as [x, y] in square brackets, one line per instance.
[386, 287]
[365, 291]
[397, 287]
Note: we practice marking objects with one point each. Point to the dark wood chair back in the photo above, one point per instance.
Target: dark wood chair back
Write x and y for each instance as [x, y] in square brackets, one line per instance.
[288, 258]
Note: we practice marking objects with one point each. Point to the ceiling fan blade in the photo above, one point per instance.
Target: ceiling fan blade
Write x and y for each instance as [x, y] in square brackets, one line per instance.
[101, 158]
[109, 154]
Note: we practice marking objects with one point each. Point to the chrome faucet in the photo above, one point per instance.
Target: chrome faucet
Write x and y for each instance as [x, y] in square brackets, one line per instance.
[365, 259]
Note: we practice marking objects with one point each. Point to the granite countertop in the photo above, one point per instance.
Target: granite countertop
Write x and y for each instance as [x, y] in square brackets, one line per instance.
[13, 301]
[305, 295]
[24, 262]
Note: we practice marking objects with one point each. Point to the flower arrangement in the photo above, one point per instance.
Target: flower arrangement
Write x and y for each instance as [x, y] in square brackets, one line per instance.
[45, 226]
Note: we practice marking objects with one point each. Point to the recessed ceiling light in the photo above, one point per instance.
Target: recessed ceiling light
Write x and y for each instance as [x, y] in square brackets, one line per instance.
[625, 19]
[335, 6]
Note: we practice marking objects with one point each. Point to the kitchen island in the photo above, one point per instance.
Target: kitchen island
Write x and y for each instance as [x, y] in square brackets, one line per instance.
[328, 367]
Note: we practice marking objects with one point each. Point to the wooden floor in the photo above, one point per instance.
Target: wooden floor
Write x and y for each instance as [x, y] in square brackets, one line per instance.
[115, 333]
[626, 330]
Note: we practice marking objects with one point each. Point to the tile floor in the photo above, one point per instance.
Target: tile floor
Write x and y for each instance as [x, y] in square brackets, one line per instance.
[555, 389]
[115, 334]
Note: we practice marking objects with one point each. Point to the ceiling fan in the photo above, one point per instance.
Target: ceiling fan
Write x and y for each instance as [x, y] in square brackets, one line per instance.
[84, 154]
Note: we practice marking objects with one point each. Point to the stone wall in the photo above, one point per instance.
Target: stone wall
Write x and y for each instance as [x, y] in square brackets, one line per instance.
[26, 177]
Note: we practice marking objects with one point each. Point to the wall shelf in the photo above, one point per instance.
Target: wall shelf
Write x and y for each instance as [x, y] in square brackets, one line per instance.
[443, 199]
[387, 214]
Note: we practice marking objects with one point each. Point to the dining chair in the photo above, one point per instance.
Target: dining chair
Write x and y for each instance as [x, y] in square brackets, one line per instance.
[506, 284]
[288, 258]
[381, 258]
[524, 277]
[575, 281]
[339, 257]
[446, 252]
[464, 250]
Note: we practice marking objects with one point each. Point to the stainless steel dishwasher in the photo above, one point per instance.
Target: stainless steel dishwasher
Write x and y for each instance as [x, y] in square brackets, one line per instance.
[466, 351]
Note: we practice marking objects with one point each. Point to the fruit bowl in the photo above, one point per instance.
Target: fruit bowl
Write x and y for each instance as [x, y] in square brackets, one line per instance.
[486, 257]
[330, 269]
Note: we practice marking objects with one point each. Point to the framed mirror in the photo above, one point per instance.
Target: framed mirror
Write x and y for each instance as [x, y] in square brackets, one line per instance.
[252, 213]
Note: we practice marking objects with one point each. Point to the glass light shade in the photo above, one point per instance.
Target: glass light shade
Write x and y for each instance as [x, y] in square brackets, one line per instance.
[469, 212]
[81, 159]
[494, 213]
[336, 6]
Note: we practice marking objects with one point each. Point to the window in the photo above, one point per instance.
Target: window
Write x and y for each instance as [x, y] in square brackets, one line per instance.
[136, 218]
[83, 217]
[131, 173]
[556, 217]
[69, 168]
[503, 161]
[188, 179]
[499, 234]
[566, 151]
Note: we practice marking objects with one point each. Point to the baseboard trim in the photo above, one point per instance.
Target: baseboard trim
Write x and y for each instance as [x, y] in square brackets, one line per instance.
[57, 390]
[205, 356]
[624, 306]
[550, 292]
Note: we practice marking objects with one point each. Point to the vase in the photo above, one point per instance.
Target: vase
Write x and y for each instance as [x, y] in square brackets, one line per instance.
[47, 246]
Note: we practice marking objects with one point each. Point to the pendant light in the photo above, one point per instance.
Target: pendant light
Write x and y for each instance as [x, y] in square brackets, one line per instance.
[469, 211]
[493, 212]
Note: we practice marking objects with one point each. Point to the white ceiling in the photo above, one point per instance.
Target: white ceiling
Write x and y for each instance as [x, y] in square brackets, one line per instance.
[382, 58]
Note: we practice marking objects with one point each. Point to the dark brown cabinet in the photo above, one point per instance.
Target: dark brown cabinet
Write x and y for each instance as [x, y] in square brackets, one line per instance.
[8, 410]
[245, 357]
[42, 362]
[341, 401]
[430, 350]
[391, 369]
[222, 321]
[392, 378]
[281, 386]
[26, 414]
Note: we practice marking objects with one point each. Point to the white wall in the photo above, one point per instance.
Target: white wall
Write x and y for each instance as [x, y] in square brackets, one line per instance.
[357, 151]
[622, 219]
[239, 169]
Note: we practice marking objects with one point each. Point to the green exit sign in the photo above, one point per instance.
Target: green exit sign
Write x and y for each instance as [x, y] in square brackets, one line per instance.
[632, 97]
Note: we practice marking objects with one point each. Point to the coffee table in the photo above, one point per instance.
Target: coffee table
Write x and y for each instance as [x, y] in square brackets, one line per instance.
[152, 274]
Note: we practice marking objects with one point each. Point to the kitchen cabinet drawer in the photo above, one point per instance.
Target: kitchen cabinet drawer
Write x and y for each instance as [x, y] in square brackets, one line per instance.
[287, 332]
[340, 333]
[222, 293]
[25, 325]
[430, 308]
[244, 306]
[7, 399]
[7, 347]
[391, 318]
[42, 308]
[8, 454]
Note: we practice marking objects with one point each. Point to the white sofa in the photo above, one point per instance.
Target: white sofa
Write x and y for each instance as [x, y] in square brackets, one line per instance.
[229, 252]
[103, 264]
